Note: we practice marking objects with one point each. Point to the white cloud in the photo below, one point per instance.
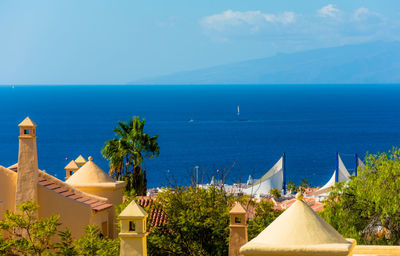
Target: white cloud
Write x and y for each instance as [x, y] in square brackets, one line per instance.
[329, 27]
[230, 19]
[363, 14]
[329, 11]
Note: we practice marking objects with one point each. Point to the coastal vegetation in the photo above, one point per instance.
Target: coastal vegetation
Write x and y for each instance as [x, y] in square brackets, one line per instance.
[198, 220]
[367, 208]
[127, 151]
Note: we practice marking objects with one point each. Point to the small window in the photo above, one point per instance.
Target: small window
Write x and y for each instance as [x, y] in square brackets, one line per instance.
[237, 220]
[26, 131]
[131, 226]
[71, 172]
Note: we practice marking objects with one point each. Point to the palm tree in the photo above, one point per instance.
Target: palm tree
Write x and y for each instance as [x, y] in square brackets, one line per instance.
[127, 152]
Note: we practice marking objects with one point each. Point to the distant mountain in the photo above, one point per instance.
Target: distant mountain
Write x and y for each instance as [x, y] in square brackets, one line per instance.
[377, 62]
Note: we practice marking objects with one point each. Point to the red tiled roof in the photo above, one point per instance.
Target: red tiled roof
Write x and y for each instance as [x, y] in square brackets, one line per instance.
[316, 206]
[156, 217]
[64, 191]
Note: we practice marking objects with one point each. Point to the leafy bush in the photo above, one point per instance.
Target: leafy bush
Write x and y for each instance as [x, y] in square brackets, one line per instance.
[367, 208]
[264, 215]
[198, 222]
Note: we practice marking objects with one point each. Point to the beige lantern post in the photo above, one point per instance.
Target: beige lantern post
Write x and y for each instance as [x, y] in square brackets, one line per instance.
[70, 169]
[299, 231]
[133, 231]
[80, 161]
[237, 229]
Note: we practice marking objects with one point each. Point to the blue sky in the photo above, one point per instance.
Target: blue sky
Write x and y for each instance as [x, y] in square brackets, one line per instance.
[115, 42]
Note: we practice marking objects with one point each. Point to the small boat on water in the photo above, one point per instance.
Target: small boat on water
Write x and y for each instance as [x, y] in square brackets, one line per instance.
[238, 110]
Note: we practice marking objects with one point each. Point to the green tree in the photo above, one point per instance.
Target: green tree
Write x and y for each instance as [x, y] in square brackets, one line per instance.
[305, 183]
[198, 222]
[367, 207]
[126, 153]
[291, 186]
[65, 247]
[28, 235]
[92, 244]
[275, 193]
[264, 215]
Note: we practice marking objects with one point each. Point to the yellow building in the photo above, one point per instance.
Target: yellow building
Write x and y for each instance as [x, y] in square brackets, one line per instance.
[88, 197]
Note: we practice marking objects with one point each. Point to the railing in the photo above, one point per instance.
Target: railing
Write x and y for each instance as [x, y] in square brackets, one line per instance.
[376, 250]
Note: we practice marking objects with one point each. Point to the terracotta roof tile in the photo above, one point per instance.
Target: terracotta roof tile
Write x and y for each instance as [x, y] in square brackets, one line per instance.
[91, 201]
[98, 203]
[67, 193]
[74, 196]
[102, 207]
[83, 199]
[60, 190]
[53, 186]
[45, 182]
[156, 217]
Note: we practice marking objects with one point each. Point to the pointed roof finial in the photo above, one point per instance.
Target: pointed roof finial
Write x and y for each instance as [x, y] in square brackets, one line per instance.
[27, 123]
[71, 166]
[133, 210]
[238, 209]
[80, 160]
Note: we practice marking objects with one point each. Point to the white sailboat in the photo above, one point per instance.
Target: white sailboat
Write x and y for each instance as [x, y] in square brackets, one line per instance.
[238, 110]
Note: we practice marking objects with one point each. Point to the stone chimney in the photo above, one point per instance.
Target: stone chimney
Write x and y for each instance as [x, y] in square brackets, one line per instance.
[27, 172]
[237, 229]
[133, 231]
[70, 169]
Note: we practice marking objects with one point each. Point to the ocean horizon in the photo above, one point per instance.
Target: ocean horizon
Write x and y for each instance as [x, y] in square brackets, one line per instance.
[199, 125]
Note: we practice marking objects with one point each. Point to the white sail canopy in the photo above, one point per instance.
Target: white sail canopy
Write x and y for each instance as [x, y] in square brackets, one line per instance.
[272, 179]
[343, 175]
[360, 163]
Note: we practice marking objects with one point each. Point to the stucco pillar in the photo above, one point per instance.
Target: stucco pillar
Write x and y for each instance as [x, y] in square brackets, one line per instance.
[27, 172]
[133, 231]
[237, 229]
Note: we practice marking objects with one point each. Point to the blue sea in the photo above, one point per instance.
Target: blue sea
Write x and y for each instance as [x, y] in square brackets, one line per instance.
[199, 126]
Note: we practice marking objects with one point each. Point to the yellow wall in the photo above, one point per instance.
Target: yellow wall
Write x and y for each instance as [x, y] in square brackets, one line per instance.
[73, 214]
[8, 182]
[376, 250]
[133, 246]
[114, 196]
[97, 218]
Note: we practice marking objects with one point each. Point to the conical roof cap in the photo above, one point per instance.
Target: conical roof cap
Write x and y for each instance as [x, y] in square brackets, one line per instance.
[298, 231]
[238, 209]
[133, 211]
[89, 173]
[71, 166]
[27, 123]
[80, 160]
